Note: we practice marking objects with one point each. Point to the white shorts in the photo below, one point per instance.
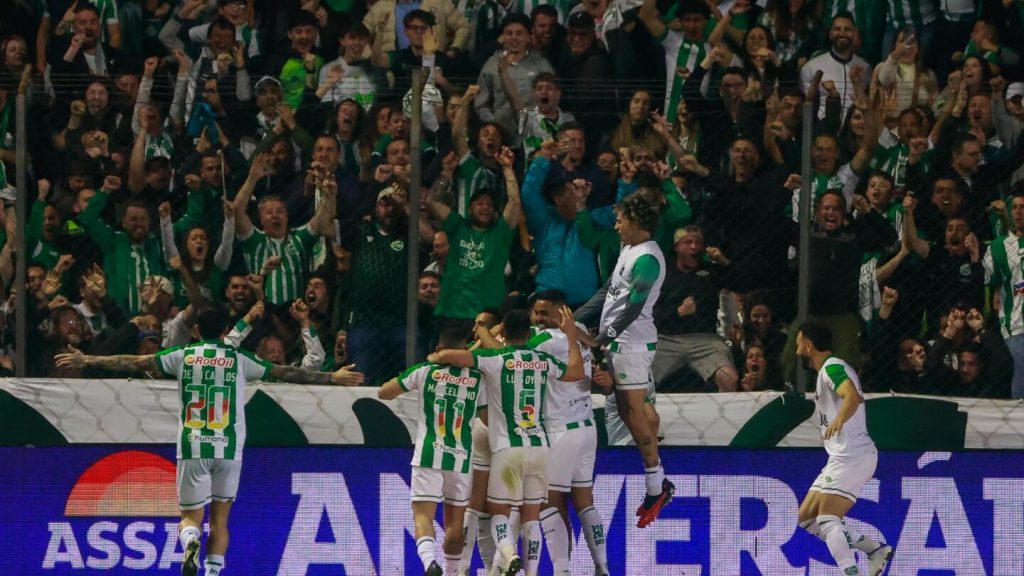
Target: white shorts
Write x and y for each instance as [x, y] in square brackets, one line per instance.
[631, 370]
[846, 476]
[430, 485]
[572, 451]
[202, 480]
[481, 446]
[519, 476]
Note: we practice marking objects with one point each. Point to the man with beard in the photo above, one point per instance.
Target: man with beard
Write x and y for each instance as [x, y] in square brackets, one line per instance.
[1003, 274]
[836, 254]
[83, 56]
[835, 64]
[67, 331]
[275, 239]
[474, 277]
[130, 255]
[376, 321]
[955, 266]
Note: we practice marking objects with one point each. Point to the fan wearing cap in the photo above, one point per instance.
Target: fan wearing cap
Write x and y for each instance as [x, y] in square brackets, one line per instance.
[492, 103]
[474, 276]
[585, 67]
[686, 314]
[376, 300]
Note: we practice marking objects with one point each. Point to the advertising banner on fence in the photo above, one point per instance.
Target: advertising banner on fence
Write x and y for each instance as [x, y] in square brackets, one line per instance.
[345, 511]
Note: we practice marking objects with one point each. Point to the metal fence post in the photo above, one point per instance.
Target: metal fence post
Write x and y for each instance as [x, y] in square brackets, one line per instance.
[21, 255]
[415, 176]
[803, 294]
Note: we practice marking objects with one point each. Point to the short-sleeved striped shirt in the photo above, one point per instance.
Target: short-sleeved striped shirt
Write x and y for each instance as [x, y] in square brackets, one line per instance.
[471, 176]
[1004, 269]
[448, 402]
[288, 281]
[211, 385]
[516, 379]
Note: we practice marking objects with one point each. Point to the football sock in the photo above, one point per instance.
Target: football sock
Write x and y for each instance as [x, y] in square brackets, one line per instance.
[593, 531]
[426, 549]
[654, 478]
[214, 564]
[557, 536]
[532, 542]
[839, 544]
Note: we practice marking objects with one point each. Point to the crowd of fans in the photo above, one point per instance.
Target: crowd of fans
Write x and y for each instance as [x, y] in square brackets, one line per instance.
[258, 153]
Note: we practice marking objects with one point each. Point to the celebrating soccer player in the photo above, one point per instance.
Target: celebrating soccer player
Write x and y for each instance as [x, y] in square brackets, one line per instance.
[852, 455]
[516, 379]
[628, 333]
[449, 397]
[211, 431]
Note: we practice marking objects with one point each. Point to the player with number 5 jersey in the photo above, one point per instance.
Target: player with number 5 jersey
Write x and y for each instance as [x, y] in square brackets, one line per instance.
[211, 379]
[516, 379]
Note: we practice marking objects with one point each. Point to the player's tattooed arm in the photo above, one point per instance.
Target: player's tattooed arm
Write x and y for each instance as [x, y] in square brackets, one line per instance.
[119, 363]
[345, 376]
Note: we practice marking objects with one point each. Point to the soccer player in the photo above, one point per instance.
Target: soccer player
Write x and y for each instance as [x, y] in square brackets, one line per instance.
[211, 432]
[516, 379]
[852, 455]
[628, 333]
[448, 399]
[572, 436]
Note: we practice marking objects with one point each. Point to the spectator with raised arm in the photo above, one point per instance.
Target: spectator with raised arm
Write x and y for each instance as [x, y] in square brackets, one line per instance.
[474, 276]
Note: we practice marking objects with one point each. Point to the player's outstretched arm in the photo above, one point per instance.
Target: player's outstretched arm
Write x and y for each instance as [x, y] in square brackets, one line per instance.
[851, 400]
[461, 358]
[120, 363]
[390, 390]
[345, 376]
[574, 369]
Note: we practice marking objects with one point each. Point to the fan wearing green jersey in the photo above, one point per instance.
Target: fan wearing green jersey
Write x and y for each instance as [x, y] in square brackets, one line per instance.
[274, 238]
[852, 455]
[212, 377]
[516, 379]
[449, 399]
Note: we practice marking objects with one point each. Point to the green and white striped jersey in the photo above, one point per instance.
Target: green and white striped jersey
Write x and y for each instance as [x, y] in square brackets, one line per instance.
[916, 13]
[681, 53]
[565, 402]
[288, 281]
[516, 379]
[1004, 268]
[448, 402]
[471, 176]
[211, 383]
[535, 128]
[853, 439]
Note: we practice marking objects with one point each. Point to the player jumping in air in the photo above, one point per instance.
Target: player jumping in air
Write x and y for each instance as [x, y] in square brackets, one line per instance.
[448, 399]
[569, 422]
[628, 333]
[516, 379]
[211, 430]
[852, 455]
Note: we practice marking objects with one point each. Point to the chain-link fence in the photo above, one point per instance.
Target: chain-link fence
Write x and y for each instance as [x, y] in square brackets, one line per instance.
[173, 173]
